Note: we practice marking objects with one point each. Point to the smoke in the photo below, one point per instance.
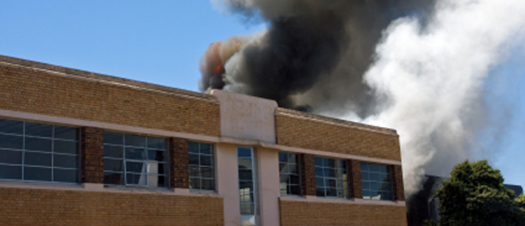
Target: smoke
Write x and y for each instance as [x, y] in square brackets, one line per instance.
[433, 81]
[417, 66]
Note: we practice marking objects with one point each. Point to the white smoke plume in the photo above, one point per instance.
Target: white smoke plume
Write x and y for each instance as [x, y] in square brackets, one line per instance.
[418, 66]
[433, 80]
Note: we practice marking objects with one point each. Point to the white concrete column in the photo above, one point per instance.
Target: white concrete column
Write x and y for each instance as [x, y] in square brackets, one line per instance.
[228, 182]
[269, 191]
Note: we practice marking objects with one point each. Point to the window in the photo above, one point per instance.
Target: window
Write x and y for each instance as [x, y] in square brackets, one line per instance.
[135, 160]
[38, 152]
[289, 174]
[377, 181]
[246, 160]
[201, 166]
[330, 177]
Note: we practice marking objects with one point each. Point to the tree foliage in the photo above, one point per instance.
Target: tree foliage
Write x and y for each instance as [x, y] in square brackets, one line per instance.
[475, 195]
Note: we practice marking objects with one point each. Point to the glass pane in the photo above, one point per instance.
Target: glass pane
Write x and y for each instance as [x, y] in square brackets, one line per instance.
[135, 153]
[134, 140]
[332, 192]
[41, 130]
[375, 186]
[292, 169]
[113, 151]
[137, 179]
[244, 152]
[153, 180]
[284, 178]
[194, 159]
[162, 181]
[195, 183]
[246, 187]
[283, 168]
[193, 147]
[11, 172]
[318, 161]
[14, 142]
[331, 183]
[319, 182]
[136, 167]
[366, 185]
[294, 179]
[152, 168]
[157, 143]
[330, 163]
[245, 175]
[38, 144]
[35, 173]
[364, 166]
[10, 126]
[37, 159]
[295, 190]
[65, 161]
[12, 157]
[320, 192]
[156, 155]
[283, 157]
[208, 184]
[319, 172]
[113, 178]
[246, 197]
[161, 168]
[207, 172]
[66, 133]
[364, 176]
[194, 171]
[113, 138]
[205, 160]
[205, 148]
[113, 165]
[65, 175]
[69, 147]
[247, 209]
[245, 163]
[333, 173]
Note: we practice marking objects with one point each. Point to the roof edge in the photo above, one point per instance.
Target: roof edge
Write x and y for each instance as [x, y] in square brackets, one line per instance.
[75, 73]
[334, 121]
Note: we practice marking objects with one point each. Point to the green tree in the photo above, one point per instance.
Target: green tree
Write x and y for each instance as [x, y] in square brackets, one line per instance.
[474, 195]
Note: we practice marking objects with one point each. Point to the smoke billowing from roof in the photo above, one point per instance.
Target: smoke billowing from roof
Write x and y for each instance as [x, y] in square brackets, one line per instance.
[416, 66]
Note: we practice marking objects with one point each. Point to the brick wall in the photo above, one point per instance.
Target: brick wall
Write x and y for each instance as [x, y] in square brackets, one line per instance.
[38, 207]
[308, 131]
[298, 213]
[397, 176]
[307, 164]
[354, 179]
[179, 158]
[92, 151]
[87, 96]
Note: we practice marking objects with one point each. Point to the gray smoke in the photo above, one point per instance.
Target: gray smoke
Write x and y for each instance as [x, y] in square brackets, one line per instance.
[414, 65]
[312, 56]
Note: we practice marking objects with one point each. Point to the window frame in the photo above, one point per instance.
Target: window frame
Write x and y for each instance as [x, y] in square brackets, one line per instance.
[343, 171]
[52, 152]
[124, 161]
[213, 167]
[369, 180]
[298, 174]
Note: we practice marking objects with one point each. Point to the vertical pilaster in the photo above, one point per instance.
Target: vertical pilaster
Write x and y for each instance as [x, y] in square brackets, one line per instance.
[397, 179]
[92, 152]
[307, 174]
[355, 183]
[179, 159]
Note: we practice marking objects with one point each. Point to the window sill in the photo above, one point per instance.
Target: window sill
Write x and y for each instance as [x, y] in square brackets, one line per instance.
[39, 185]
[341, 200]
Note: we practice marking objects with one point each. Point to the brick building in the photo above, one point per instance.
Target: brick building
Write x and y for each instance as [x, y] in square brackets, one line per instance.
[79, 148]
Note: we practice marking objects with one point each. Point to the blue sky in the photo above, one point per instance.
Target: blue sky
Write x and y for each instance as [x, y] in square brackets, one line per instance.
[162, 42]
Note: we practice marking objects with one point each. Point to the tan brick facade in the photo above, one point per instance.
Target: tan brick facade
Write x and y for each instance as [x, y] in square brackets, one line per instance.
[92, 151]
[308, 131]
[397, 176]
[39, 207]
[179, 163]
[307, 163]
[103, 100]
[354, 179]
[300, 213]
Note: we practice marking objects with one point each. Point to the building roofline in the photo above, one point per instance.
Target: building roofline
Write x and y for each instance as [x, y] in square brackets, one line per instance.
[334, 121]
[108, 79]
